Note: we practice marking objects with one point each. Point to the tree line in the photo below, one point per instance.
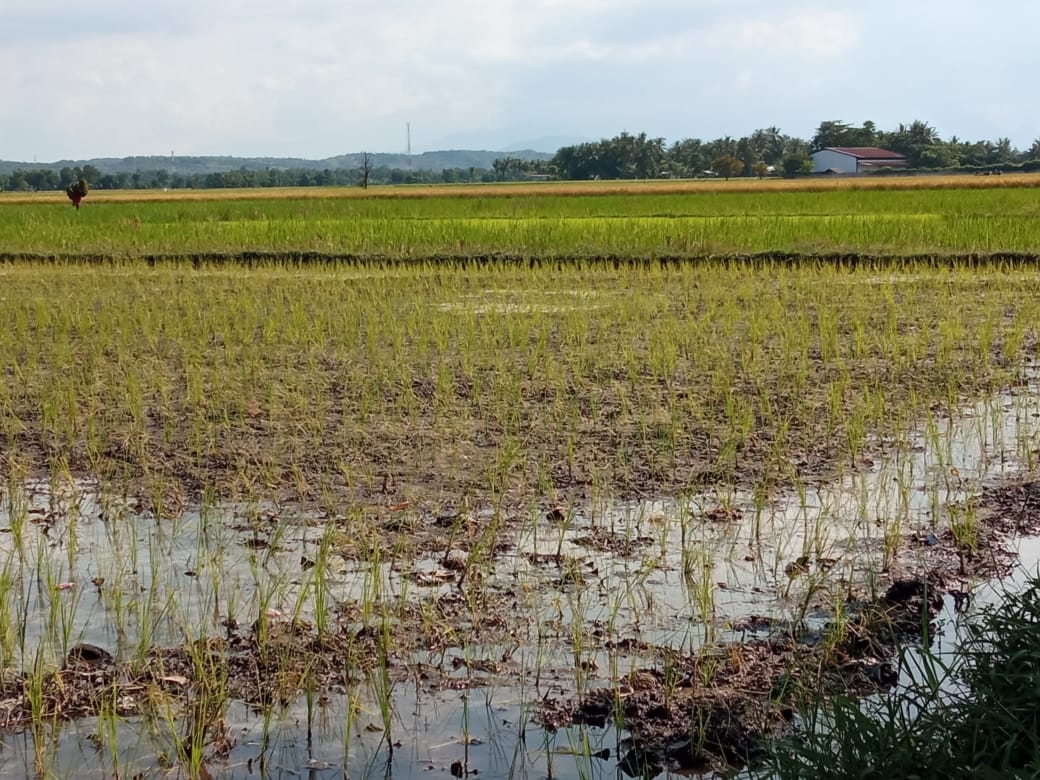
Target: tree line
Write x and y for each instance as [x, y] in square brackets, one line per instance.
[42, 179]
[770, 151]
[766, 151]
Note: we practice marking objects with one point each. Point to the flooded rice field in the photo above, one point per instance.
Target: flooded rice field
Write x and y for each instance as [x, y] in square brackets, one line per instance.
[572, 641]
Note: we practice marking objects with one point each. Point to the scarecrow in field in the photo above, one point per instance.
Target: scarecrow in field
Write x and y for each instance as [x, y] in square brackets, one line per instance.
[77, 191]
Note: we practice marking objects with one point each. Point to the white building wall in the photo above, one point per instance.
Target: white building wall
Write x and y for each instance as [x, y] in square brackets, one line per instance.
[826, 159]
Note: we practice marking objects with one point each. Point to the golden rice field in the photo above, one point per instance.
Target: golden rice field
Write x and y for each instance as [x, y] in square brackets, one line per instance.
[661, 187]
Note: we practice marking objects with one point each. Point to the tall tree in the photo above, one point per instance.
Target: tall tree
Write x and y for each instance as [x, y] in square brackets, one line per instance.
[728, 166]
[834, 132]
[622, 157]
[773, 143]
[1002, 152]
[366, 169]
[796, 164]
[916, 141]
[688, 157]
[831, 132]
[747, 153]
[720, 147]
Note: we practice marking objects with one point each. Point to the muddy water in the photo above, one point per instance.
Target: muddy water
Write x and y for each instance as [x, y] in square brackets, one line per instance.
[588, 594]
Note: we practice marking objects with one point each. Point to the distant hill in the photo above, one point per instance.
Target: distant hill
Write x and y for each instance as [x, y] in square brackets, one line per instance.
[427, 161]
[554, 142]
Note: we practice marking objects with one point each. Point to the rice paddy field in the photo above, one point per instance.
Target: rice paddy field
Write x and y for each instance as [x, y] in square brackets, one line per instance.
[517, 481]
[589, 220]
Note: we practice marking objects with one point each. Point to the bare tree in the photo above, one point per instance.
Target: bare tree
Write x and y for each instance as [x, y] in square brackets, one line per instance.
[366, 169]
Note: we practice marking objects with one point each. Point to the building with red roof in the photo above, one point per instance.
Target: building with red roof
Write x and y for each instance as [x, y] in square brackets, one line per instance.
[855, 159]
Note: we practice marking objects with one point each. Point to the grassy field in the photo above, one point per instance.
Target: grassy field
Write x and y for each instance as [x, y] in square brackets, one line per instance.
[581, 220]
[309, 444]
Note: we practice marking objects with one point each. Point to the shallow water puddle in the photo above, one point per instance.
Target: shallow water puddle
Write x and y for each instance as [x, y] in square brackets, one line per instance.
[568, 600]
[734, 559]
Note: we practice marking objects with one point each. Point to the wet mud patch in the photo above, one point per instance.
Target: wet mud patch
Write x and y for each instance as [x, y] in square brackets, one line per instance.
[275, 668]
[1013, 507]
[715, 709]
[605, 540]
[978, 541]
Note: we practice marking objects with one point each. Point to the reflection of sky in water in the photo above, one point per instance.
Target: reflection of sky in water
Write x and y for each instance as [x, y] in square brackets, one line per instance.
[680, 577]
[432, 735]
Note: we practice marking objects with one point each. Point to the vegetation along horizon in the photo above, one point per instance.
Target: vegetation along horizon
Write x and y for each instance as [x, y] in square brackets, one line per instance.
[514, 481]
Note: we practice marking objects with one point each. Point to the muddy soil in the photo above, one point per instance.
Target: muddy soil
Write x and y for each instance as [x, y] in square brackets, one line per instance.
[721, 705]
[712, 708]
[304, 258]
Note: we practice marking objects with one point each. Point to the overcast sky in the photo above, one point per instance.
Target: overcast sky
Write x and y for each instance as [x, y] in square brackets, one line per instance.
[315, 78]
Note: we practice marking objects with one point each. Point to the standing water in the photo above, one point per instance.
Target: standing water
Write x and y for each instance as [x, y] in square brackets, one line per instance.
[470, 644]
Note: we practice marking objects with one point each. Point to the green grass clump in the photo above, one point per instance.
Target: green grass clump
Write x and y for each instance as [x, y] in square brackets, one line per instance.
[975, 714]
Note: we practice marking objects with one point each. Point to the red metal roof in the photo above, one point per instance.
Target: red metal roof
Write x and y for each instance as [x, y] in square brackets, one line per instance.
[867, 152]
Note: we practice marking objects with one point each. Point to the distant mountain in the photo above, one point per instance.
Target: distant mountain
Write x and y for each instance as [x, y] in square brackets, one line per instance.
[546, 143]
[433, 161]
[427, 161]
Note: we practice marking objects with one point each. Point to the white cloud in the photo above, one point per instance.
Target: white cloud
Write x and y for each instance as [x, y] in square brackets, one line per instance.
[812, 34]
[320, 77]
